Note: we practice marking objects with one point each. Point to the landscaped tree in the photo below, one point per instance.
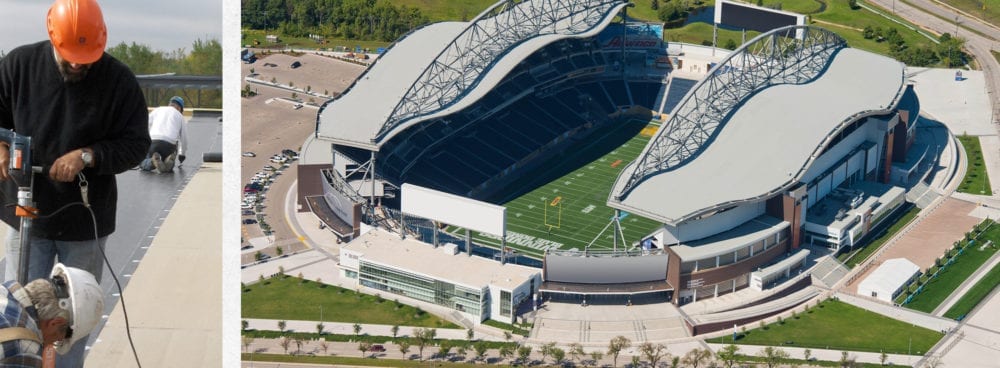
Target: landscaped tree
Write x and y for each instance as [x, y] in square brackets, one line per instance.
[615, 347]
[395, 331]
[319, 328]
[523, 352]
[653, 353]
[846, 361]
[469, 334]
[505, 353]
[576, 351]
[422, 337]
[247, 341]
[773, 356]
[281, 326]
[595, 356]
[675, 362]
[404, 347]
[806, 354]
[636, 361]
[324, 345]
[285, 342]
[298, 344]
[364, 346]
[546, 350]
[462, 350]
[558, 355]
[246, 324]
[357, 329]
[697, 357]
[728, 355]
[480, 348]
[444, 350]
[507, 336]
[655, 5]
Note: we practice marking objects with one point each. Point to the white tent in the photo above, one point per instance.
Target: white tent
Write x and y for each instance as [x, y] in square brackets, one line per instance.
[889, 279]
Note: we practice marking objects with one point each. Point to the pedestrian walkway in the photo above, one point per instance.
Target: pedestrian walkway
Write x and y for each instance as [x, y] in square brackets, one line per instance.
[344, 328]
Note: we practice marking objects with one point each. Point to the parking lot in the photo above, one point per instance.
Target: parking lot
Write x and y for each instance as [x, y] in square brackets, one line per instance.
[271, 125]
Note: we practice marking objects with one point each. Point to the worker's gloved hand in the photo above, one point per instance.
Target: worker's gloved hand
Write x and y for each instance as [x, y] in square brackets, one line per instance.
[181, 158]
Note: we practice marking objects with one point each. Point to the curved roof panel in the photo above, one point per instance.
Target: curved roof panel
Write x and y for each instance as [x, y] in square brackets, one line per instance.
[763, 142]
[447, 66]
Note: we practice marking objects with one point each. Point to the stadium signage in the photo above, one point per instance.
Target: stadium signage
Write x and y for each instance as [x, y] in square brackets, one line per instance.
[643, 42]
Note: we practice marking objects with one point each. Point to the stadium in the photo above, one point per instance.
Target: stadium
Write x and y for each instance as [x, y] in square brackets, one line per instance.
[607, 165]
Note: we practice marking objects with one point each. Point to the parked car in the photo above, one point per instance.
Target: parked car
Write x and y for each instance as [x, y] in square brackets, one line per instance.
[247, 213]
[377, 348]
[296, 64]
[249, 154]
[249, 221]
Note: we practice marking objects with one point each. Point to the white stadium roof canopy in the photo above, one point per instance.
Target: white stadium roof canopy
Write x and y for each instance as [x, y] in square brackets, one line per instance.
[765, 138]
[445, 67]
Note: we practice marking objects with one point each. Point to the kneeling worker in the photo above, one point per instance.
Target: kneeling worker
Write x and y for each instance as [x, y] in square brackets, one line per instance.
[168, 133]
[47, 316]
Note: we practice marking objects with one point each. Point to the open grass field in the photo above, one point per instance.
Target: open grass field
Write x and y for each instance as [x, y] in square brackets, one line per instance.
[565, 207]
[988, 10]
[842, 327]
[975, 295]
[853, 259]
[976, 180]
[939, 288]
[251, 35]
[292, 299]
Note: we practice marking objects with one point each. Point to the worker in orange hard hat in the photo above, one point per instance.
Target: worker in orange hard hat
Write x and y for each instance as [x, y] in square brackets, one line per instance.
[87, 119]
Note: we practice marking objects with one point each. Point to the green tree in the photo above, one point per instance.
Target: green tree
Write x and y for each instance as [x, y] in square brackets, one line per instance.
[773, 356]
[576, 351]
[596, 356]
[696, 357]
[444, 350]
[281, 326]
[319, 328]
[522, 354]
[728, 355]
[395, 331]
[616, 345]
[655, 4]
[480, 349]
[505, 352]
[246, 324]
[653, 353]
[404, 347]
[364, 346]
[546, 350]
[285, 342]
[730, 44]
[422, 337]
[357, 329]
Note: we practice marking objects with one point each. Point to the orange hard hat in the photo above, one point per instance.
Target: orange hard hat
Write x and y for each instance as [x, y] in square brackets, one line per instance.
[77, 30]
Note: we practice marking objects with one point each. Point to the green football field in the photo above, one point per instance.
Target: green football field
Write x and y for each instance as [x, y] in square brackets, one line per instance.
[565, 207]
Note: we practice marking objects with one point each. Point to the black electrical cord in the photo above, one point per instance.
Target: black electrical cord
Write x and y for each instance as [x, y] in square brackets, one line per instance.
[121, 293]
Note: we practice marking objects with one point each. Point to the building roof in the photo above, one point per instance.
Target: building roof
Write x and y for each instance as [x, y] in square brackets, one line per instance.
[889, 277]
[385, 248]
[730, 241]
[768, 141]
[444, 67]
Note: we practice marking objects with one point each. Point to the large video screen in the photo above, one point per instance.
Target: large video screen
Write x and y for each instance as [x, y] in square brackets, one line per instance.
[749, 17]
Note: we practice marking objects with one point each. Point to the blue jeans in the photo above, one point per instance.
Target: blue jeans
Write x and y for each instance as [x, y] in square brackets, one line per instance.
[79, 254]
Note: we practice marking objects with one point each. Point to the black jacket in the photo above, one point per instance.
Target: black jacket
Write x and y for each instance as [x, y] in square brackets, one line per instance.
[106, 111]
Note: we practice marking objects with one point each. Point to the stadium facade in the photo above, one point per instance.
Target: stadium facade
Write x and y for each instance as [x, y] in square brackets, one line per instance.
[736, 174]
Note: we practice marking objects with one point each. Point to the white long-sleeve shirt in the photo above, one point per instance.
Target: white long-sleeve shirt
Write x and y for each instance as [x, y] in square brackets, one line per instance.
[167, 124]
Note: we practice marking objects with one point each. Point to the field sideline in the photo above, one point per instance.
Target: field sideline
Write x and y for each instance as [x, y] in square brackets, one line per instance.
[569, 211]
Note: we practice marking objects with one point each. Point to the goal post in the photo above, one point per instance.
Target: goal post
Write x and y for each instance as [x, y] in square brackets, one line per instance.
[552, 218]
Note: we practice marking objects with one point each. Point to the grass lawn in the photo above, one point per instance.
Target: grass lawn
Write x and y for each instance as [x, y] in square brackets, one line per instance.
[996, 55]
[288, 299]
[854, 258]
[356, 361]
[976, 294]
[939, 288]
[566, 205]
[698, 33]
[440, 10]
[976, 180]
[841, 326]
[250, 35]
[988, 10]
